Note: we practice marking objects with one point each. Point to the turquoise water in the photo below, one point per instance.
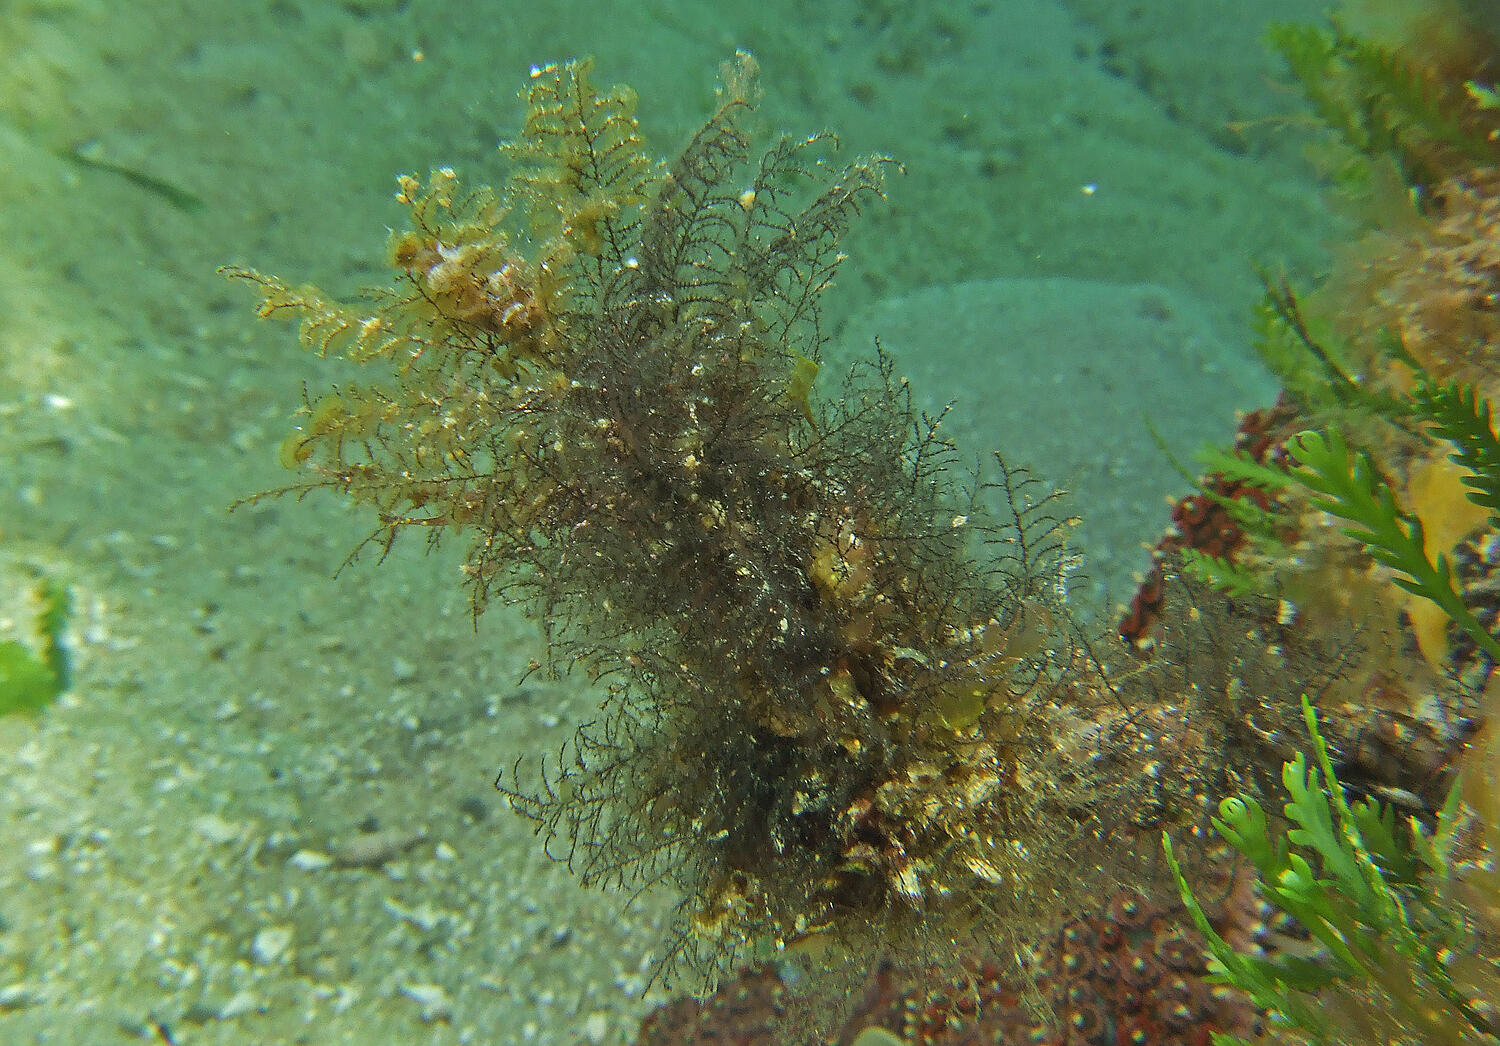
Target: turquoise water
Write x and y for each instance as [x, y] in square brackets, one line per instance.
[1087, 186]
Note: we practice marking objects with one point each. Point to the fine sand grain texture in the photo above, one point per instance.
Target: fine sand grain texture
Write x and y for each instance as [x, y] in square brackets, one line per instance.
[1069, 378]
[264, 813]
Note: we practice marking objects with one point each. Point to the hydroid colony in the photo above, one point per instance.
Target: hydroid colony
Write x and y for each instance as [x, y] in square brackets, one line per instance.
[840, 700]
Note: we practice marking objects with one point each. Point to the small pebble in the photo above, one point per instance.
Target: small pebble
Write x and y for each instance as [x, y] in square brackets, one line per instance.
[402, 670]
[309, 860]
[436, 1003]
[271, 943]
[373, 849]
[17, 996]
[424, 917]
[596, 1028]
[217, 830]
[239, 1004]
[878, 1037]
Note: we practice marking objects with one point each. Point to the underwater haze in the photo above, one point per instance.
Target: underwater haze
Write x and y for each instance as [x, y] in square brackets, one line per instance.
[263, 811]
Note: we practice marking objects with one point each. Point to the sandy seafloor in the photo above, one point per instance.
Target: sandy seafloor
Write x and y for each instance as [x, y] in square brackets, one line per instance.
[1071, 247]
